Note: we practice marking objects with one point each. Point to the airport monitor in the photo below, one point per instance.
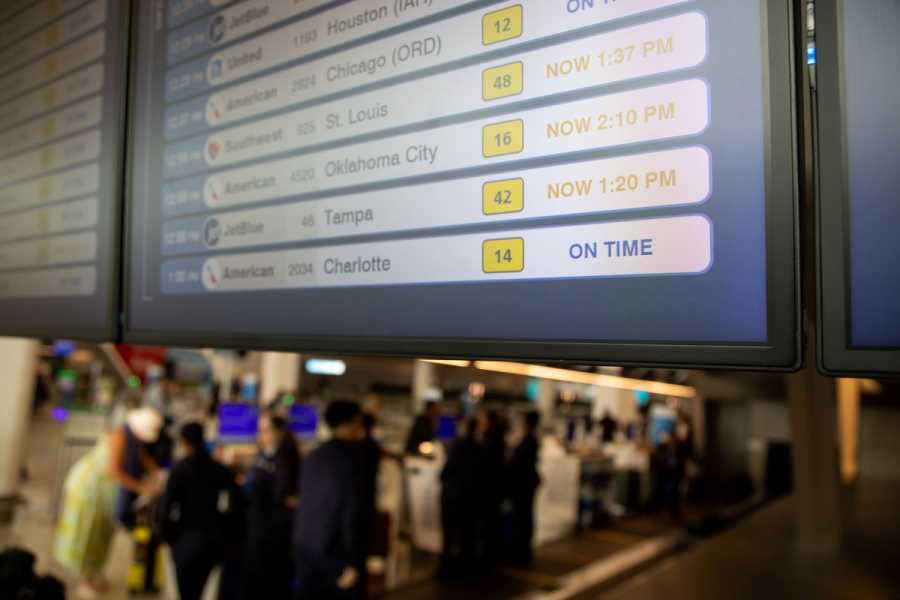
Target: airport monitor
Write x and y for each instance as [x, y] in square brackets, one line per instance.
[859, 145]
[62, 125]
[567, 180]
[238, 423]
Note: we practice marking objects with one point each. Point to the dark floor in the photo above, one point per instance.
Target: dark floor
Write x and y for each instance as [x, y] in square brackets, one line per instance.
[551, 563]
[758, 560]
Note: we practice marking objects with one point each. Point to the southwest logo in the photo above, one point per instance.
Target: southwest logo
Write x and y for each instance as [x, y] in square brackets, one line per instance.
[212, 150]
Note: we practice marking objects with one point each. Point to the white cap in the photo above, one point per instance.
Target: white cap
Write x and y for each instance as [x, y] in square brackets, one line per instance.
[145, 423]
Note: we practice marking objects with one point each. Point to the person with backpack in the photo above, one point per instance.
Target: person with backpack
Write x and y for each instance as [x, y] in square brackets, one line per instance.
[201, 512]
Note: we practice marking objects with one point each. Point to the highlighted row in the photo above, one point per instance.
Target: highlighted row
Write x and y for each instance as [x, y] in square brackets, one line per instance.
[654, 113]
[671, 246]
[71, 281]
[669, 178]
[541, 19]
[80, 247]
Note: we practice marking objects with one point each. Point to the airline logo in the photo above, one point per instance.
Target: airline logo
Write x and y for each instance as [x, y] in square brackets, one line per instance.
[212, 274]
[213, 192]
[217, 28]
[213, 112]
[212, 232]
[213, 149]
[214, 73]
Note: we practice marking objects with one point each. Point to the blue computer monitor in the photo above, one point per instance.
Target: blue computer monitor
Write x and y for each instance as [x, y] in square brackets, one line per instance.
[303, 420]
[238, 423]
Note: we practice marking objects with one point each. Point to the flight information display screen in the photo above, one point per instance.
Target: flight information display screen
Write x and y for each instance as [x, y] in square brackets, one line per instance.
[62, 82]
[860, 143]
[543, 178]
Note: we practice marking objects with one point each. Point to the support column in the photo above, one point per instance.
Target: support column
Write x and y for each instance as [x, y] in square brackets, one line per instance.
[815, 457]
[546, 402]
[279, 372]
[698, 424]
[423, 380]
[848, 395]
[223, 368]
[813, 399]
[18, 361]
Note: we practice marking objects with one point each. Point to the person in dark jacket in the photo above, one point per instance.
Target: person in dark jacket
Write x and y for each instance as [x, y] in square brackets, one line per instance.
[423, 430]
[523, 481]
[372, 455]
[271, 492]
[462, 481]
[330, 538]
[492, 431]
[609, 427]
[201, 513]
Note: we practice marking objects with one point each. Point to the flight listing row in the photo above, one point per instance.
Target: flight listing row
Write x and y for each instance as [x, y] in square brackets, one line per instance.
[677, 177]
[15, 27]
[252, 16]
[67, 121]
[59, 250]
[57, 187]
[676, 245]
[54, 35]
[662, 46]
[49, 283]
[80, 53]
[668, 111]
[63, 91]
[463, 36]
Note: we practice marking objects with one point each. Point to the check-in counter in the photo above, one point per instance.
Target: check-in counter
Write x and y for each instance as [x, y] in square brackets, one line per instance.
[556, 504]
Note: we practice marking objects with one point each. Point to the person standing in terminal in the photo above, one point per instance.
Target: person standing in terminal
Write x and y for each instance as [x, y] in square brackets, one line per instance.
[372, 455]
[462, 483]
[523, 481]
[201, 513]
[609, 427]
[271, 489]
[331, 539]
[492, 429]
[88, 516]
[423, 429]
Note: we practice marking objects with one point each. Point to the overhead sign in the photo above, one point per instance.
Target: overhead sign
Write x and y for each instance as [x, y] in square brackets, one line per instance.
[532, 179]
[859, 142]
[62, 98]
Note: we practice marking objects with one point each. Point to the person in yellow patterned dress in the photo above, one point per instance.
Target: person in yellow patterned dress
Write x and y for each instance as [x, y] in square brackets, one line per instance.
[87, 519]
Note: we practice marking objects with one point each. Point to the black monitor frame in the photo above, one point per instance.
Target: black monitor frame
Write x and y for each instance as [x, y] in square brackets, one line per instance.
[836, 355]
[782, 353]
[111, 331]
